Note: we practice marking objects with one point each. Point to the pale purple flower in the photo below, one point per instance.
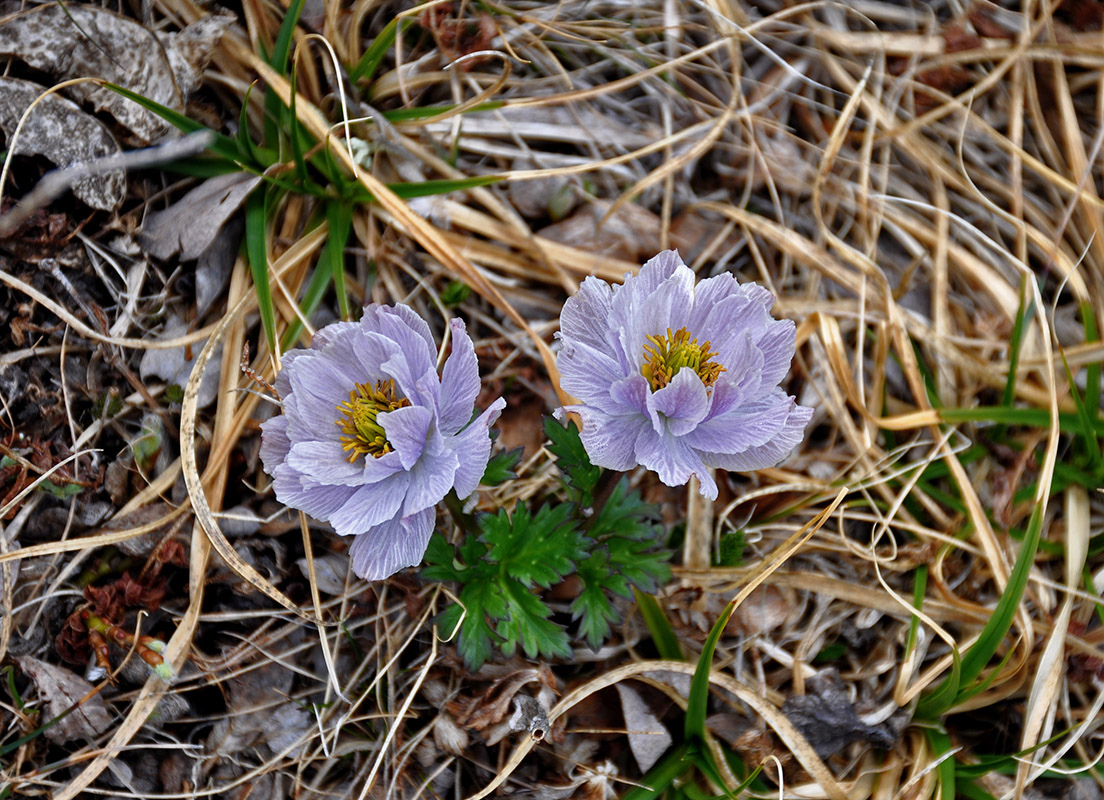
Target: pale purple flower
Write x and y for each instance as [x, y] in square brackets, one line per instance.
[678, 377]
[371, 438]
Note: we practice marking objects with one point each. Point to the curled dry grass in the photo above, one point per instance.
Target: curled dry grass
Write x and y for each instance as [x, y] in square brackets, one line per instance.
[893, 180]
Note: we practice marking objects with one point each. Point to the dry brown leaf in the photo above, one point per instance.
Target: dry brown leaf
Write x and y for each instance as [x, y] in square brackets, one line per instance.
[631, 233]
[191, 224]
[648, 738]
[62, 689]
[87, 42]
[59, 131]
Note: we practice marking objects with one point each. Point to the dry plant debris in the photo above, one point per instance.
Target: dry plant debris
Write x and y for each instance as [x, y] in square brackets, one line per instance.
[918, 185]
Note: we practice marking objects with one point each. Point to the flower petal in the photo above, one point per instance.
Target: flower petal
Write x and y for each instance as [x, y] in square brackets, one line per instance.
[459, 381]
[743, 427]
[316, 500]
[472, 447]
[392, 545]
[274, 442]
[771, 452]
[585, 315]
[777, 344]
[587, 373]
[609, 439]
[682, 403]
[673, 461]
[407, 430]
[370, 505]
[641, 316]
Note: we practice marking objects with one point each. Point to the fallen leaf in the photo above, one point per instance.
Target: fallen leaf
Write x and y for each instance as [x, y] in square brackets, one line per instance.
[191, 224]
[58, 130]
[826, 717]
[648, 737]
[74, 41]
[190, 50]
[62, 689]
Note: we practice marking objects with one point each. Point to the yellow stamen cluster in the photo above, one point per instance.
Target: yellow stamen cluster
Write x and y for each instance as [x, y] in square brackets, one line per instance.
[666, 355]
[362, 434]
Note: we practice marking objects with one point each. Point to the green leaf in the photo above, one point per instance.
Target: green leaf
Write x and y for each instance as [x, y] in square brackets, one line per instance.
[500, 467]
[580, 476]
[592, 608]
[477, 637]
[663, 634]
[256, 230]
[365, 68]
[339, 215]
[455, 294]
[526, 622]
[537, 550]
[281, 50]
[222, 145]
[698, 700]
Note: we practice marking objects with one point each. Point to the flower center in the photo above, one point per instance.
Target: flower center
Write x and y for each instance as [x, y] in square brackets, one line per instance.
[665, 355]
[362, 434]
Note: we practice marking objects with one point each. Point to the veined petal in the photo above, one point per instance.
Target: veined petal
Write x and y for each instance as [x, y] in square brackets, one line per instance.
[459, 381]
[318, 501]
[472, 447]
[587, 373]
[274, 442]
[390, 546]
[682, 403]
[673, 461]
[585, 315]
[609, 440]
[629, 396]
[743, 427]
[407, 430]
[771, 452]
[370, 505]
[666, 307]
[777, 344]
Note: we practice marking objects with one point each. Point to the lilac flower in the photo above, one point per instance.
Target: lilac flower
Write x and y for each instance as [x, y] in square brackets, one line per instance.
[679, 377]
[371, 439]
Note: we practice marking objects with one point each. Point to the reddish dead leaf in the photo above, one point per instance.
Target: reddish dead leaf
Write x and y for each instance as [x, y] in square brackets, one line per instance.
[457, 37]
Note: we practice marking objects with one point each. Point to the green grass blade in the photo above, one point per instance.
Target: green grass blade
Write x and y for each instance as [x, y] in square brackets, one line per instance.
[940, 744]
[221, 145]
[999, 624]
[1092, 371]
[662, 775]
[1029, 417]
[664, 636]
[256, 229]
[425, 112]
[698, 700]
[365, 68]
[1088, 436]
[1015, 345]
[282, 49]
[942, 697]
[339, 215]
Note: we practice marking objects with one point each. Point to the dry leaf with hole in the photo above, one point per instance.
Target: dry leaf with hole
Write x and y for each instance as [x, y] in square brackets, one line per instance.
[191, 224]
[59, 131]
[75, 41]
[61, 689]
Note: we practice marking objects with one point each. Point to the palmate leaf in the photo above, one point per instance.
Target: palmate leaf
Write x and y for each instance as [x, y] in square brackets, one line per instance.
[579, 474]
[534, 550]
